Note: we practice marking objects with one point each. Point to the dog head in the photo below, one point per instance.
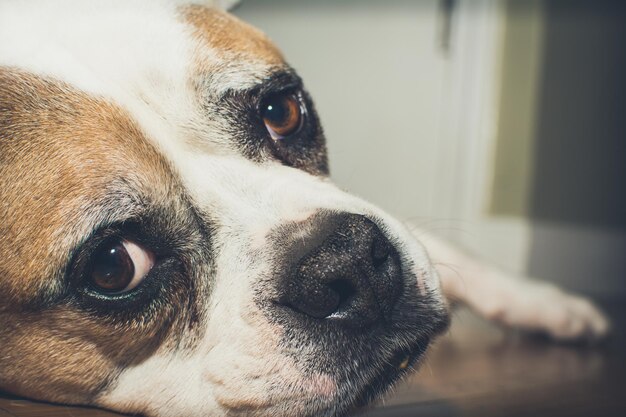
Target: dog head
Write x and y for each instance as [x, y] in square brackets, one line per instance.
[170, 242]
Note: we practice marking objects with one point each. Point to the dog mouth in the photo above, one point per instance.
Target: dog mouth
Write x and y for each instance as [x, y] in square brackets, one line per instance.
[385, 368]
[401, 362]
[364, 363]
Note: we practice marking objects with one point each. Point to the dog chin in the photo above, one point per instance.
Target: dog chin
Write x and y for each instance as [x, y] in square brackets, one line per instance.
[366, 386]
[359, 371]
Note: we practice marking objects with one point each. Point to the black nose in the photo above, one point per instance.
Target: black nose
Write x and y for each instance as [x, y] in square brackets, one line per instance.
[352, 273]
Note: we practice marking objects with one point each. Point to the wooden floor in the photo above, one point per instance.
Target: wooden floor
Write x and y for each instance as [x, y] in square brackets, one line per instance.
[479, 370]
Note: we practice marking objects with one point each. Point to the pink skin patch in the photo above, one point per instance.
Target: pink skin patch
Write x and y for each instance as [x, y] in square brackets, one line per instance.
[420, 274]
[300, 217]
[260, 233]
[321, 384]
[259, 238]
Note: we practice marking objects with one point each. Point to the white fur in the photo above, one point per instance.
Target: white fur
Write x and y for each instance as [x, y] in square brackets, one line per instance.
[140, 56]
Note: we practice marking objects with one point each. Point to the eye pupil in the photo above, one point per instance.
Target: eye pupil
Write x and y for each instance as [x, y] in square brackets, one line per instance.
[277, 113]
[282, 115]
[113, 268]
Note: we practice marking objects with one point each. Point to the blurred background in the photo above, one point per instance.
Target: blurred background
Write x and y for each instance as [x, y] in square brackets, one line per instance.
[500, 125]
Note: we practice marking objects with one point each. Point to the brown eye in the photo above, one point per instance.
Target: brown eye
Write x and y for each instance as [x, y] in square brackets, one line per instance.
[119, 266]
[283, 115]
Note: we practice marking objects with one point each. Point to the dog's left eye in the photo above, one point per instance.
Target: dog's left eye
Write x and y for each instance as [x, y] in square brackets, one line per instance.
[119, 266]
[283, 115]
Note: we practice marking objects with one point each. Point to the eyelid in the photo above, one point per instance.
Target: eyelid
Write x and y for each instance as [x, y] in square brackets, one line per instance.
[279, 83]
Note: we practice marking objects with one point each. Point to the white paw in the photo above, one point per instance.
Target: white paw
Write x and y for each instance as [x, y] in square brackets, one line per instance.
[539, 307]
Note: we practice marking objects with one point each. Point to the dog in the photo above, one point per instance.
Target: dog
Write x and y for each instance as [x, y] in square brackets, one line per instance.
[171, 243]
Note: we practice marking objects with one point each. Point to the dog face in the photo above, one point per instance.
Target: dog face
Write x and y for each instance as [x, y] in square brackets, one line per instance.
[170, 242]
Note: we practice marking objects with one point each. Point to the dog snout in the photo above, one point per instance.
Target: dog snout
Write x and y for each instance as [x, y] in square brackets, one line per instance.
[349, 272]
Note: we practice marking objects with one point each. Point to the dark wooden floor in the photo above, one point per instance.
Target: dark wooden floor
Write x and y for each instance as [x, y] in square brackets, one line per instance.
[479, 370]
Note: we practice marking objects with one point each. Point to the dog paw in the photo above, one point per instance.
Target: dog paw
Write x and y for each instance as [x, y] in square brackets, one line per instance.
[540, 307]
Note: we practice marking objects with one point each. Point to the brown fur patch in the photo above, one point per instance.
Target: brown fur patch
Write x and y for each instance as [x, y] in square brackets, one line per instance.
[63, 157]
[230, 35]
[60, 150]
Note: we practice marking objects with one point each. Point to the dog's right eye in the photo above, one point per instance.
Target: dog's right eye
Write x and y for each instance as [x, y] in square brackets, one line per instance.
[118, 266]
[283, 115]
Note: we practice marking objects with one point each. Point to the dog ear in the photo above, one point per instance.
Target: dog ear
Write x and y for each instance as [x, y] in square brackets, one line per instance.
[222, 4]
[226, 4]
[6, 106]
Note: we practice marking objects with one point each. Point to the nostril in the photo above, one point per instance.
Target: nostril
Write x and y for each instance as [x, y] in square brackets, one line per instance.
[345, 291]
[322, 301]
[380, 252]
[348, 272]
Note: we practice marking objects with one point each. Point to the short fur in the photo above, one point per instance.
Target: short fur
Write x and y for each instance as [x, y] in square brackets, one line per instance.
[141, 119]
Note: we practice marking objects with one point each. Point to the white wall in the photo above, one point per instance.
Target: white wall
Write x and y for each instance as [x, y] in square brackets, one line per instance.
[375, 71]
